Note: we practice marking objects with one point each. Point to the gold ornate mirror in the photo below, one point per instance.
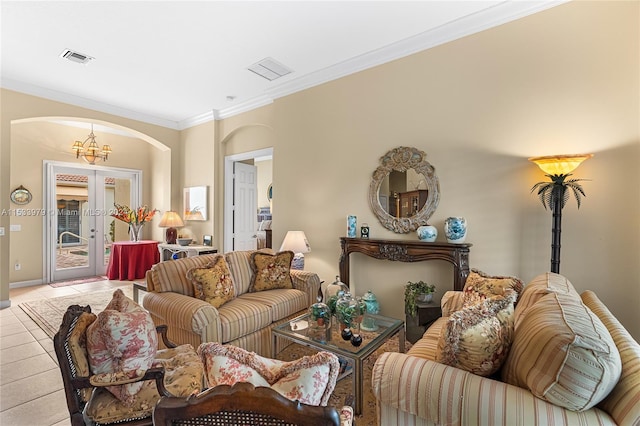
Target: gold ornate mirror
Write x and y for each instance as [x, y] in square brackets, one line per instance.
[404, 190]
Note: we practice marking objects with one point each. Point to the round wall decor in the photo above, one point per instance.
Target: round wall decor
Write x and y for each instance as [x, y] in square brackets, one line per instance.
[21, 195]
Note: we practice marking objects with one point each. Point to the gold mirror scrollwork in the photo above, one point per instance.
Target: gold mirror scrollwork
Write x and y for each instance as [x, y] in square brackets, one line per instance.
[402, 159]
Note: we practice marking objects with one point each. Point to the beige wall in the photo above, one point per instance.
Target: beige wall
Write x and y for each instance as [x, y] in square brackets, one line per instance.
[562, 81]
[198, 150]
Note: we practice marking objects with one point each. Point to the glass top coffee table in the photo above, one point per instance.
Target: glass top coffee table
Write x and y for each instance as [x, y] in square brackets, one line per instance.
[297, 330]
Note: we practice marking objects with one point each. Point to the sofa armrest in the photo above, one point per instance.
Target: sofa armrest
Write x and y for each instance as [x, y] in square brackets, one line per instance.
[447, 395]
[451, 302]
[184, 312]
[309, 282]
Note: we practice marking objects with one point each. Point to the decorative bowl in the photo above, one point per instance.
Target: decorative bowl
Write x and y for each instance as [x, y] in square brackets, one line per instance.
[184, 241]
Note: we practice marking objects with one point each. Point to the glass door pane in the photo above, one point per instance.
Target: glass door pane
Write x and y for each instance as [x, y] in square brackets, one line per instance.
[74, 224]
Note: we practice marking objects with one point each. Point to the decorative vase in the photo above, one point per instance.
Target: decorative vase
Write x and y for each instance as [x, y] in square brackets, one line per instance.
[455, 229]
[427, 233]
[372, 307]
[351, 226]
[135, 231]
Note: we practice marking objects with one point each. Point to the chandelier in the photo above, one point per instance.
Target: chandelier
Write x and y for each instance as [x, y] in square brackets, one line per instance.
[92, 152]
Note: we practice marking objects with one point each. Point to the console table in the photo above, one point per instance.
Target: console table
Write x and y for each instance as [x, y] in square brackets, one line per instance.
[189, 251]
[407, 251]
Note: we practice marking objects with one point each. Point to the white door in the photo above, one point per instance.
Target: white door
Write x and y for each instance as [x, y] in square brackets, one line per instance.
[80, 229]
[245, 207]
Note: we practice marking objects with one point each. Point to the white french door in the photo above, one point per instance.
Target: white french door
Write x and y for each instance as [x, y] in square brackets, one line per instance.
[79, 228]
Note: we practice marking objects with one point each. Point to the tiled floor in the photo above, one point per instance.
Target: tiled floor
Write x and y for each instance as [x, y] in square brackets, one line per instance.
[31, 391]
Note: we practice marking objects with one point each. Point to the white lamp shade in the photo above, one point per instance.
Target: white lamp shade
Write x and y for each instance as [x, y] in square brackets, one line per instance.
[296, 242]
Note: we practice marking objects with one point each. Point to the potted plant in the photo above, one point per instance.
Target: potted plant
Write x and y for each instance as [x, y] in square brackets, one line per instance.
[412, 292]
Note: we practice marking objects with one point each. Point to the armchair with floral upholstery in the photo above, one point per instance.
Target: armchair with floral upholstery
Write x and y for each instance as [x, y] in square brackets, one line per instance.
[122, 396]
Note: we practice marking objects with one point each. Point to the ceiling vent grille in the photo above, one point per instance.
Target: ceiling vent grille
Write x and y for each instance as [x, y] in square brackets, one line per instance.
[77, 57]
[270, 69]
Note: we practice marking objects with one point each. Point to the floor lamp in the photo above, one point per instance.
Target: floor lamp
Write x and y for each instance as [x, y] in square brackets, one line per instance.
[554, 193]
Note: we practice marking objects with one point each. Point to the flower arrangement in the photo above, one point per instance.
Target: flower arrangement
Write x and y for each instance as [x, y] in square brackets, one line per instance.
[130, 216]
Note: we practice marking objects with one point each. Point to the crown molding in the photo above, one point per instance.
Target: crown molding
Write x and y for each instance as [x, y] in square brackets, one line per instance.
[67, 98]
[477, 22]
[251, 104]
[198, 119]
[488, 18]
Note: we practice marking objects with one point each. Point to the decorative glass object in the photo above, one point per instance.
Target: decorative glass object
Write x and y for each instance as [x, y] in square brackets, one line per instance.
[333, 292]
[455, 229]
[372, 307]
[135, 231]
[319, 316]
[347, 309]
[334, 288]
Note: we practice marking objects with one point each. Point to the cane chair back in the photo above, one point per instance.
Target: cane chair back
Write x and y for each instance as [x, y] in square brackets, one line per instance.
[240, 404]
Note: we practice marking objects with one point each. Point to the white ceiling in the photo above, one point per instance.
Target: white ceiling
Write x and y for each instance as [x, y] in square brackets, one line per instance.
[178, 63]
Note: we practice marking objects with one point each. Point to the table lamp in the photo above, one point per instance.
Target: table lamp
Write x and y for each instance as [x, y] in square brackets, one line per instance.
[171, 221]
[296, 242]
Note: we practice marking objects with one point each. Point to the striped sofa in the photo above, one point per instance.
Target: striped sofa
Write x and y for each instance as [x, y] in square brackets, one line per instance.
[412, 389]
[245, 321]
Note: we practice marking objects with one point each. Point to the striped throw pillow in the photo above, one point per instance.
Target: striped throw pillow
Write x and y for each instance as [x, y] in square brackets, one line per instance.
[563, 354]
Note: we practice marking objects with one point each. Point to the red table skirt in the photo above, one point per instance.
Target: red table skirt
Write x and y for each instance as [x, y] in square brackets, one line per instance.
[130, 260]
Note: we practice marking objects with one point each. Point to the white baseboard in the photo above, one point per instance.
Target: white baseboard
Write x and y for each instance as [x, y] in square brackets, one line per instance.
[25, 283]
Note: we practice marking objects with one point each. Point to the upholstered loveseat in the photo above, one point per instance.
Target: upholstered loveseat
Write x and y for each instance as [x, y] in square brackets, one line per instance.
[245, 320]
[552, 358]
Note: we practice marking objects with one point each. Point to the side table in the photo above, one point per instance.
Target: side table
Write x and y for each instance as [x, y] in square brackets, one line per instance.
[130, 260]
[168, 250]
[137, 286]
[426, 314]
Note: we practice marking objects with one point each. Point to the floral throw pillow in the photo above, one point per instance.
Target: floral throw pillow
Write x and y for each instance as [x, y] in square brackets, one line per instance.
[271, 271]
[310, 379]
[122, 342]
[480, 286]
[477, 338]
[212, 283]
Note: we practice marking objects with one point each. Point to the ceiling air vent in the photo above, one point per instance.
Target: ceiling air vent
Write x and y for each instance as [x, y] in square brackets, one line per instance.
[270, 69]
[76, 57]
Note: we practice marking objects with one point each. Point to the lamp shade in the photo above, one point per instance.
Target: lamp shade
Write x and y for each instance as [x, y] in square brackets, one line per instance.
[170, 219]
[560, 164]
[295, 241]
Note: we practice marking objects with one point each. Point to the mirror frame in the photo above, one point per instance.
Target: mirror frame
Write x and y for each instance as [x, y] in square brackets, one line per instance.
[402, 159]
